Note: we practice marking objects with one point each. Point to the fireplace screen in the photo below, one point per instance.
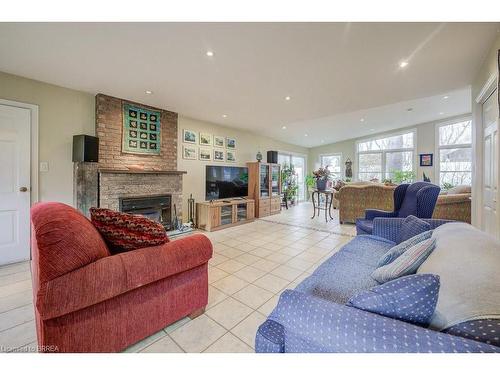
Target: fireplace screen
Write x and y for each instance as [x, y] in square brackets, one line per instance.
[157, 208]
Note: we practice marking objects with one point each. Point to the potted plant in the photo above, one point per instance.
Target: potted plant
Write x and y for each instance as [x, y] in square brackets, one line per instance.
[310, 183]
[289, 184]
[400, 177]
[322, 175]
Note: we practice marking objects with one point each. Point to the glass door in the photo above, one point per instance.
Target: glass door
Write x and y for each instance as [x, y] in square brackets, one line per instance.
[264, 181]
[299, 162]
[275, 180]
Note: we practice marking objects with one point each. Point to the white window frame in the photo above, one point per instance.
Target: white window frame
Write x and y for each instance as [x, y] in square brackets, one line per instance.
[438, 148]
[339, 154]
[384, 152]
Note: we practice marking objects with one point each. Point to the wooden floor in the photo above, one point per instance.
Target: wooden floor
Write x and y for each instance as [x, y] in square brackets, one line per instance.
[17, 325]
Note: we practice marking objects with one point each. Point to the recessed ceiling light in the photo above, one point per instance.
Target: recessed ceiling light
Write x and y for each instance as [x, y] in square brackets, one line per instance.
[287, 98]
[210, 54]
[403, 64]
[224, 116]
[283, 127]
[445, 97]
[149, 92]
[362, 119]
[441, 113]
[306, 135]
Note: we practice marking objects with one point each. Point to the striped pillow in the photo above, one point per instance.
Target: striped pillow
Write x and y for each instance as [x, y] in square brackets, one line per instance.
[399, 249]
[407, 263]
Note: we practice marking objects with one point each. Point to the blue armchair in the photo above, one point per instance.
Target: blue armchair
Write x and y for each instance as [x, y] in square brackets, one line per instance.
[417, 199]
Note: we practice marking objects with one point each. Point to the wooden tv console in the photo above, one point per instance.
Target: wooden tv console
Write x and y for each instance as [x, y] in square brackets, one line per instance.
[224, 213]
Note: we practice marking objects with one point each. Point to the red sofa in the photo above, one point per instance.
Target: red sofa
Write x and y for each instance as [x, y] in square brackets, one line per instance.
[87, 300]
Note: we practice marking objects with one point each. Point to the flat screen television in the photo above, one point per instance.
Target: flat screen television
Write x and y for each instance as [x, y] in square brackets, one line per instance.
[226, 182]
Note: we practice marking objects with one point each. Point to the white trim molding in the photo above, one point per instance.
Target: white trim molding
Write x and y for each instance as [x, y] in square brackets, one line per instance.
[487, 89]
[34, 143]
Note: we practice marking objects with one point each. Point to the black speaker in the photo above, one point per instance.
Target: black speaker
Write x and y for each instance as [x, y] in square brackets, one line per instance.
[85, 148]
[272, 157]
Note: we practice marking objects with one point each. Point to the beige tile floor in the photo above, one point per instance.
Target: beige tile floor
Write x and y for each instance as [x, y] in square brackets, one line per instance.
[251, 266]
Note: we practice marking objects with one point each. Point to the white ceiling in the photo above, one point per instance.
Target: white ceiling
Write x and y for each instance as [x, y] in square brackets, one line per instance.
[335, 73]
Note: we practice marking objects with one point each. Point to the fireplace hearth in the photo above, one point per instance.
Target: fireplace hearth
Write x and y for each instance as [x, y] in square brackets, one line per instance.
[156, 207]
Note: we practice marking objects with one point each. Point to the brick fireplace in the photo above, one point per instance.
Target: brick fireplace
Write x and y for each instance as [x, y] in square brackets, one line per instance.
[120, 175]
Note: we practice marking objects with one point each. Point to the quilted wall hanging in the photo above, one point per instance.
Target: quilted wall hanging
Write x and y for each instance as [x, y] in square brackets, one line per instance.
[141, 130]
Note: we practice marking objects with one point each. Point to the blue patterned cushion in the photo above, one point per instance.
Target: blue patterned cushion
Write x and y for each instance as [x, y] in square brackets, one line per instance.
[399, 249]
[411, 227]
[411, 299]
[484, 330]
[407, 263]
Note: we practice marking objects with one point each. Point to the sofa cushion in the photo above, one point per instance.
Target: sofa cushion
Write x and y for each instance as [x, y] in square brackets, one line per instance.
[407, 263]
[400, 248]
[63, 240]
[364, 226]
[411, 299]
[125, 232]
[467, 261]
[412, 226]
[484, 330]
[347, 271]
[459, 189]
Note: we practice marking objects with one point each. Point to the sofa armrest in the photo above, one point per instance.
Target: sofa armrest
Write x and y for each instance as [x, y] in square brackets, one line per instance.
[453, 199]
[114, 275]
[371, 214]
[389, 227]
[315, 325]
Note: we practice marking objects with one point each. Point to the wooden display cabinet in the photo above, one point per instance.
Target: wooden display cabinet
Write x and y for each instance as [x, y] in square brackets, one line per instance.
[264, 186]
[226, 213]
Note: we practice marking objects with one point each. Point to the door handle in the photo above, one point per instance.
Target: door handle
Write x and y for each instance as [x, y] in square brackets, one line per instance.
[23, 189]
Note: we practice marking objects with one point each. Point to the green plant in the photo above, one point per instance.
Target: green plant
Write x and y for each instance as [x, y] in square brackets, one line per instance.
[447, 186]
[400, 177]
[289, 183]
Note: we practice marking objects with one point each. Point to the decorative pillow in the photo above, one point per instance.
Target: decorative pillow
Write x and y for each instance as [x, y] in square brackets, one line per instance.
[407, 263]
[399, 249]
[411, 299]
[412, 226]
[125, 232]
[460, 189]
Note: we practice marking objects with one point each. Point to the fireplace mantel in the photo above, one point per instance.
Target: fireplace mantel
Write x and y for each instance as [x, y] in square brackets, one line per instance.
[128, 171]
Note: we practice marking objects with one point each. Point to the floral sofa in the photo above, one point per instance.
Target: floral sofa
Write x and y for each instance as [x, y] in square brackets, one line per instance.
[314, 317]
[353, 199]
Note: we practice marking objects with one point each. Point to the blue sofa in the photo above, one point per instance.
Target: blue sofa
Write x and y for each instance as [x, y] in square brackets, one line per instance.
[314, 317]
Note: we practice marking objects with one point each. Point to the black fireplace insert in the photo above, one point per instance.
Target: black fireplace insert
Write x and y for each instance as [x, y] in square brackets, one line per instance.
[154, 207]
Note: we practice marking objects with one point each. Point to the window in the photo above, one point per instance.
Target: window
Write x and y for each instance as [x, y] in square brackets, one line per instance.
[455, 153]
[333, 162]
[379, 158]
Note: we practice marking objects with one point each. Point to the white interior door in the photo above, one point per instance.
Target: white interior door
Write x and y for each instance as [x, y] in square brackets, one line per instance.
[15, 154]
[490, 167]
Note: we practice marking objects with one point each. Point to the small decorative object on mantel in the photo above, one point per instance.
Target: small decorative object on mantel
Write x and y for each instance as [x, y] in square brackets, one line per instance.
[258, 156]
[426, 160]
[141, 130]
[322, 175]
[348, 168]
[135, 167]
[191, 209]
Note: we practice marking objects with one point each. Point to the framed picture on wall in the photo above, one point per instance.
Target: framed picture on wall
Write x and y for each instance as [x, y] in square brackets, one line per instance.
[218, 155]
[219, 141]
[205, 139]
[189, 152]
[231, 156]
[426, 160]
[188, 136]
[230, 143]
[205, 154]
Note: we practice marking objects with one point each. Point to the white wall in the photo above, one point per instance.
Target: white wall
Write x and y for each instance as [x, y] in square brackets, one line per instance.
[425, 145]
[62, 114]
[247, 146]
